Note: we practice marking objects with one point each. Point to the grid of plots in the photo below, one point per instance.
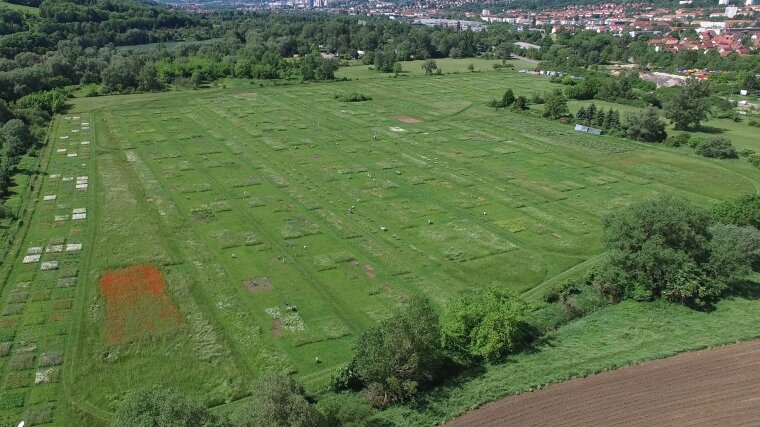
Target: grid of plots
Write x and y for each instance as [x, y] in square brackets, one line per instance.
[288, 198]
[38, 299]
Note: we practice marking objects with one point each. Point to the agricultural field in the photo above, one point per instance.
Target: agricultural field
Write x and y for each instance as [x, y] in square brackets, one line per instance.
[715, 384]
[193, 239]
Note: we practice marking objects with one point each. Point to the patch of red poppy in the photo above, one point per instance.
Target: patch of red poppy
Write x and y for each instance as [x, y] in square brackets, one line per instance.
[137, 305]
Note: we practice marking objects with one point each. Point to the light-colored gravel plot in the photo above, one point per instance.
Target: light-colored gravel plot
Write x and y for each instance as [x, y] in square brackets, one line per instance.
[79, 210]
[61, 217]
[43, 376]
[74, 130]
[78, 216]
[84, 143]
[72, 155]
[81, 186]
[61, 150]
[49, 197]
[72, 247]
[55, 176]
[49, 265]
[34, 250]
[67, 178]
[54, 248]
[31, 258]
[65, 137]
[716, 387]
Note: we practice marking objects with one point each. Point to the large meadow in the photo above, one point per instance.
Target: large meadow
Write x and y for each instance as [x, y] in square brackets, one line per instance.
[268, 225]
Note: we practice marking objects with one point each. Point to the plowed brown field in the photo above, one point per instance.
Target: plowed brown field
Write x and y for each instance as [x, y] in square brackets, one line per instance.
[717, 387]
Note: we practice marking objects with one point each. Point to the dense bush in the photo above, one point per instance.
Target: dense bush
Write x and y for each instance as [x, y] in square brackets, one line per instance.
[353, 97]
[744, 211]
[345, 409]
[486, 325]
[164, 408]
[677, 140]
[719, 148]
[277, 401]
[52, 101]
[754, 159]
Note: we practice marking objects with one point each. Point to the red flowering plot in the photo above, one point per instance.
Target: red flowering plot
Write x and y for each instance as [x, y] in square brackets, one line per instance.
[137, 304]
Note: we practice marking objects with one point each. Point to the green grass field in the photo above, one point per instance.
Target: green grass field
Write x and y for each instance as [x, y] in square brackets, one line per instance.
[343, 210]
[20, 8]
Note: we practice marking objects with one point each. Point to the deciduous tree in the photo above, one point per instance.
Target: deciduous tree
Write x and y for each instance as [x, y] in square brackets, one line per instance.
[690, 106]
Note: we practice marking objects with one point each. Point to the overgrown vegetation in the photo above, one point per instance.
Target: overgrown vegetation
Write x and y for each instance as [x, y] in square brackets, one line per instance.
[665, 248]
[353, 97]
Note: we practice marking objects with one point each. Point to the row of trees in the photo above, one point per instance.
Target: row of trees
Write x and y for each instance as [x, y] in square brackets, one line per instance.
[22, 124]
[593, 116]
[415, 348]
[95, 24]
[686, 107]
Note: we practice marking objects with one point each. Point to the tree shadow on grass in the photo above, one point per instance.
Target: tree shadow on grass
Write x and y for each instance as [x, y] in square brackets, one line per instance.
[458, 375]
[710, 129]
[746, 289]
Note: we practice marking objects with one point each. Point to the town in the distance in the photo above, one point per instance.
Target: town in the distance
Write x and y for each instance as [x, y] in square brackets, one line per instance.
[725, 26]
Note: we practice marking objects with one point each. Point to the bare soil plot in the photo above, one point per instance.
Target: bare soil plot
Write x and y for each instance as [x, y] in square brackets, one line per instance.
[709, 387]
[407, 119]
[258, 284]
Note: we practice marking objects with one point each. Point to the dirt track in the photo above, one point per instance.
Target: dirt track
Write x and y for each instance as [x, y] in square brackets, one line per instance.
[718, 387]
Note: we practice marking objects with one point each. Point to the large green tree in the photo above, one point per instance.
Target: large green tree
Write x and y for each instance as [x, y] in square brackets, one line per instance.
[555, 105]
[659, 248]
[645, 126]
[401, 354]
[16, 138]
[690, 105]
[429, 66]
